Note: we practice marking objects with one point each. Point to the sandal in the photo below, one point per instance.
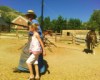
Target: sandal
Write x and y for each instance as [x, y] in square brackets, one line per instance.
[37, 78]
[31, 79]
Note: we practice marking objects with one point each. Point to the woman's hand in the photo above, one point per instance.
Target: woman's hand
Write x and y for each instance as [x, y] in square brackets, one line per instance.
[44, 53]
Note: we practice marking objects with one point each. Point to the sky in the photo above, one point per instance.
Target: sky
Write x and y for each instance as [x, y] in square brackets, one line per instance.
[81, 9]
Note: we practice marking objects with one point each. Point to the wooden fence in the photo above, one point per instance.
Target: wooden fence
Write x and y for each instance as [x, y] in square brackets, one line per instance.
[76, 39]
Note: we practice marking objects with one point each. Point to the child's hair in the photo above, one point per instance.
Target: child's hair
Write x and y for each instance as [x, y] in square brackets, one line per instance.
[34, 26]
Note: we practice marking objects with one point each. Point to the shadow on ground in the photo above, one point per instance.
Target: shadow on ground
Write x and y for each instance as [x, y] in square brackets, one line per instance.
[87, 51]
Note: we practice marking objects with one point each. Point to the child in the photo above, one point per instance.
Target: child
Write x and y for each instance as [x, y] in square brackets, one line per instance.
[36, 47]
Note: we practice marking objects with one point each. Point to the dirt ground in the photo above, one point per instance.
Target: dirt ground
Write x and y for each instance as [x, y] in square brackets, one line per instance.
[66, 62]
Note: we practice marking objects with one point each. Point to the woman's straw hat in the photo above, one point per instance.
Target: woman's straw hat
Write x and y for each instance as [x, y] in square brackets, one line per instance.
[30, 14]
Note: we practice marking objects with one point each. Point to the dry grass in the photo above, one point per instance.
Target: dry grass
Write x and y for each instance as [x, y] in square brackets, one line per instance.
[66, 62]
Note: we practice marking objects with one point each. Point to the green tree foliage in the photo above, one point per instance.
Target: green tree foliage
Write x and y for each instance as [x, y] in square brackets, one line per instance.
[53, 24]
[61, 23]
[85, 25]
[74, 24]
[47, 23]
[7, 9]
[8, 14]
[39, 19]
[94, 21]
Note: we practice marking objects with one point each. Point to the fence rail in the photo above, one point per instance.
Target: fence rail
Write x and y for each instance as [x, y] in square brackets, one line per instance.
[57, 36]
[12, 35]
[74, 39]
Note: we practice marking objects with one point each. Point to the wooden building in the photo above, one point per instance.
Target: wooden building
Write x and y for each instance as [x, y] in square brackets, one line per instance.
[21, 21]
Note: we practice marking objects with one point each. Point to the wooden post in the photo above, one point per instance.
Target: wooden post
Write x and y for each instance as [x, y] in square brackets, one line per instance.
[17, 31]
[55, 36]
[73, 38]
[99, 34]
[0, 33]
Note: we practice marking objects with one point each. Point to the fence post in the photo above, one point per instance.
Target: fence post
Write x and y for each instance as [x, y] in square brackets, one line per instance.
[55, 36]
[72, 39]
[17, 33]
[0, 34]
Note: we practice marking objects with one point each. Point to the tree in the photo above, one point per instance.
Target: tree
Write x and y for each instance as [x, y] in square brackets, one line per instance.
[74, 23]
[53, 24]
[8, 14]
[7, 9]
[60, 24]
[47, 23]
[39, 20]
[94, 21]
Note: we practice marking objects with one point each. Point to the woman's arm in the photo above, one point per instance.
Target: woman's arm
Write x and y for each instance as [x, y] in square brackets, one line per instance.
[41, 43]
[29, 28]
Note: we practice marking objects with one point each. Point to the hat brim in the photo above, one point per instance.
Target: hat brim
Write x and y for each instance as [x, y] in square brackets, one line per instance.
[31, 15]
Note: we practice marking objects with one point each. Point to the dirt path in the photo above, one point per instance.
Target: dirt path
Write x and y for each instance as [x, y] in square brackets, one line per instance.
[67, 62]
